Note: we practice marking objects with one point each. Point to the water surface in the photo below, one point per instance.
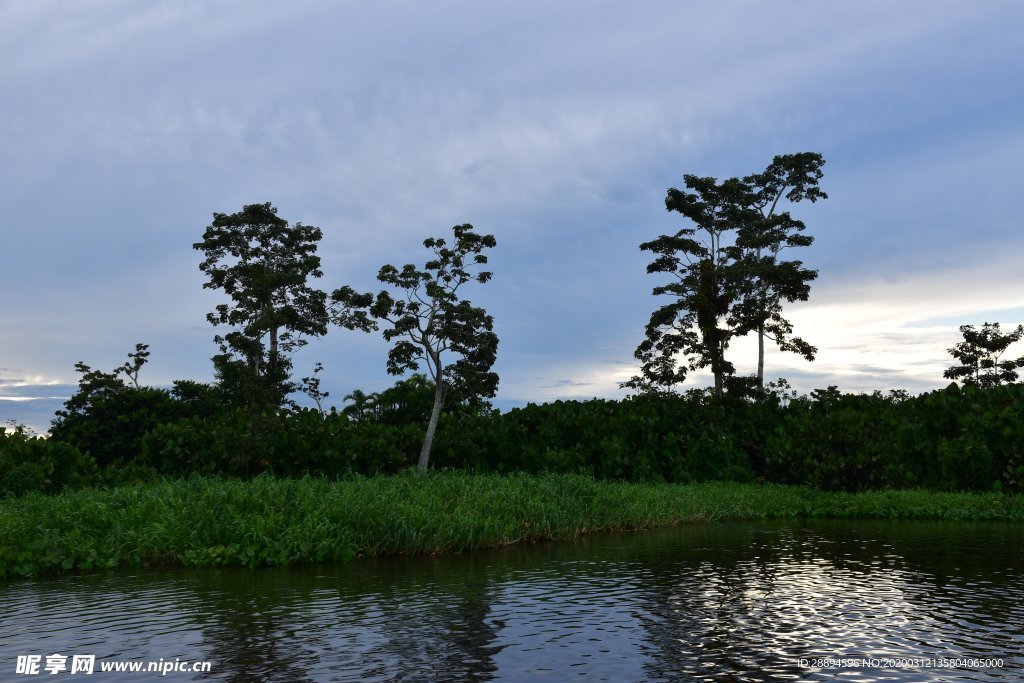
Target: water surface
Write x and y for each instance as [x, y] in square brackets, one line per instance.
[723, 602]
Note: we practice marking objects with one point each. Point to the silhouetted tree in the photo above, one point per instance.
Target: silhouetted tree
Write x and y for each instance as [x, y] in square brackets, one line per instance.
[703, 284]
[979, 355]
[770, 281]
[430, 320]
[310, 386]
[727, 278]
[134, 364]
[263, 264]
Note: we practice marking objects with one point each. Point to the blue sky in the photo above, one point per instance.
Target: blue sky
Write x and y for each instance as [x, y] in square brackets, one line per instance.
[555, 127]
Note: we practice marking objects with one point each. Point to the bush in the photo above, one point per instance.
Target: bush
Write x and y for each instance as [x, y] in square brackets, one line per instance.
[107, 418]
[29, 463]
[647, 438]
[292, 444]
[951, 439]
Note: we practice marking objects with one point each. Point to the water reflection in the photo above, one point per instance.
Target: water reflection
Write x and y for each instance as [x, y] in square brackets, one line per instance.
[775, 595]
[715, 602]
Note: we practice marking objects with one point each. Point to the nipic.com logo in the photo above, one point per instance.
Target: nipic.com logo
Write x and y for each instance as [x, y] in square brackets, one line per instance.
[31, 665]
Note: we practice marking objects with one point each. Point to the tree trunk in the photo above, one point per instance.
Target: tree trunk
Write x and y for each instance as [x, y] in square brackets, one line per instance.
[273, 350]
[760, 324]
[760, 358]
[435, 414]
[717, 367]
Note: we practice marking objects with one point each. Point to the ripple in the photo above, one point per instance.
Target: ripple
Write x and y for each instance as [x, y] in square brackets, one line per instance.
[727, 602]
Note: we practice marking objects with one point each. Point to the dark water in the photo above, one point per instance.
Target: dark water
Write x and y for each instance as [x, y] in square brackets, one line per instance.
[725, 602]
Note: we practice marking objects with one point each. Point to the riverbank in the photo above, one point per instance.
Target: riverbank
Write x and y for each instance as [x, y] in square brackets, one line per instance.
[267, 521]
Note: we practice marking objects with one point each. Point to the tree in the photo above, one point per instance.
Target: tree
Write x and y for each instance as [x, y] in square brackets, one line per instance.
[95, 386]
[795, 178]
[107, 418]
[704, 286]
[727, 278]
[428, 320]
[134, 364]
[408, 401]
[979, 355]
[310, 386]
[263, 264]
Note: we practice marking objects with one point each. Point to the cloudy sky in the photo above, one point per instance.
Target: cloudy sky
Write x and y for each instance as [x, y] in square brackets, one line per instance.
[557, 127]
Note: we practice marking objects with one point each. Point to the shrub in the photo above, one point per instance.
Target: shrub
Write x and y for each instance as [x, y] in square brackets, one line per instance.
[29, 463]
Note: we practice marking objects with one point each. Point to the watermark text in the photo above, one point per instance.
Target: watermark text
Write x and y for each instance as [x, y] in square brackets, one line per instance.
[56, 663]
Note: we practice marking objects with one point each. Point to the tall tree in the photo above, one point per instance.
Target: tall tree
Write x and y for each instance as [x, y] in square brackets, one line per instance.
[760, 240]
[703, 288]
[428, 320]
[980, 353]
[727, 278]
[263, 264]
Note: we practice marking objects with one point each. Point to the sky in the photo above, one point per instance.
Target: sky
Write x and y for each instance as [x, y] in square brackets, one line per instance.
[556, 127]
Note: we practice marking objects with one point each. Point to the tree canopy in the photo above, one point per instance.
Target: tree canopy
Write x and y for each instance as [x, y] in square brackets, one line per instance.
[428, 320]
[760, 240]
[980, 356]
[726, 276]
[263, 264]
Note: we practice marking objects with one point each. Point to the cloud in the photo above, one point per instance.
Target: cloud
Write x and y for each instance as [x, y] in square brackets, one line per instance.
[22, 391]
[565, 383]
[34, 414]
[32, 405]
[871, 335]
[384, 124]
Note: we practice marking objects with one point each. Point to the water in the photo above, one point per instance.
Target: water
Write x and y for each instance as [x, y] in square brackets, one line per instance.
[723, 602]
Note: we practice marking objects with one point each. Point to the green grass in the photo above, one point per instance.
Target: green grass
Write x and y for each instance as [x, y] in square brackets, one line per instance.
[267, 521]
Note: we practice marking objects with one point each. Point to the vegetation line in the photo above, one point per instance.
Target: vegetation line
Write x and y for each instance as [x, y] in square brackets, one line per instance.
[267, 521]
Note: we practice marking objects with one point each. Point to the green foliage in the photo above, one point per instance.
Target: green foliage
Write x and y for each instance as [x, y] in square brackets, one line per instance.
[980, 356]
[985, 449]
[834, 442]
[429, 320]
[109, 424]
[196, 399]
[645, 438]
[263, 264]
[107, 418]
[268, 521]
[287, 444]
[947, 440]
[952, 439]
[409, 401]
[30, 463]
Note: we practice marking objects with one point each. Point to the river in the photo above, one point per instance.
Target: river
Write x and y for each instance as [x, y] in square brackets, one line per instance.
[799, 601]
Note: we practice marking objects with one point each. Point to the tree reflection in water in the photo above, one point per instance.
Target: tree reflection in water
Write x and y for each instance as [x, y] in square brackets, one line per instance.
[719, 601]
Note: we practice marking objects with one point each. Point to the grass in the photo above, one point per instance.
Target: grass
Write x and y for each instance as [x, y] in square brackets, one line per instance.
[267, 521]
